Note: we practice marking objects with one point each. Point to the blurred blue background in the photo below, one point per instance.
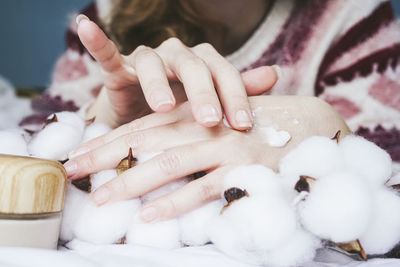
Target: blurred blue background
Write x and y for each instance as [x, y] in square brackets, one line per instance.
[32, 37]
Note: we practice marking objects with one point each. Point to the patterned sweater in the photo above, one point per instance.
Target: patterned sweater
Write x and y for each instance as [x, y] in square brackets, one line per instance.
[346, 52]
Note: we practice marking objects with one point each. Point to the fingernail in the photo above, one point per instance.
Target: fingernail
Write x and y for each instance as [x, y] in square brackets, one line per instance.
[149, 214]
[77, 152]
[80, 17]
[243, 119]
[70, 167]
[208, 113]
[101, 196]
[162, 100]
[278, 71]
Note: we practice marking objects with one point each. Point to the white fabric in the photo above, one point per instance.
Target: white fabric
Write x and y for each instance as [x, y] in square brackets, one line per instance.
[12, 108]
[87, 255]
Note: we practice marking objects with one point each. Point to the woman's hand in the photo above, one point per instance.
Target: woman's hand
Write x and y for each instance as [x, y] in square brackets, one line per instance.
[188, 148]
[152, 79]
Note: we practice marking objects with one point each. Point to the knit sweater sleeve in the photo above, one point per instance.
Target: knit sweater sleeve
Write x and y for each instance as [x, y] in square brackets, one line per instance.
[346, 52]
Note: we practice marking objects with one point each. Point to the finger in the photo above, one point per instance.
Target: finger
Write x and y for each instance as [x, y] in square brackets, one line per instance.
[196, 79]
[99, 46]
[191, 196]
[163, 168]
[260, 80]
[109, 155]
[153, 79]
[146, 122]
[231, 90]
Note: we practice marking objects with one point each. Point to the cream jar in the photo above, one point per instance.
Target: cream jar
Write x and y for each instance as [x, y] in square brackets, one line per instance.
[31, 200]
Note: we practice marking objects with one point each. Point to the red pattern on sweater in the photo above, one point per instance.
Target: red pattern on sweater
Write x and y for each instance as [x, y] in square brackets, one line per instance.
[365, 66]
[387, 92]
[364, 29]
[345, 107]
[289, 45]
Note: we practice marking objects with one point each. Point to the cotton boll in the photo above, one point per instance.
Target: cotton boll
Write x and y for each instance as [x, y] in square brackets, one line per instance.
[163, 190]
[193, 225]
[299, 249]
[252, 226]
[255, 179]
[164, 234]
[54, 141]
[105, 224]
[72, 119]
[383, 232]
[102, 177]
[74, 198]
[367, 159]
[94, 130]
[338, 208]
[12, 143]
[316, 156]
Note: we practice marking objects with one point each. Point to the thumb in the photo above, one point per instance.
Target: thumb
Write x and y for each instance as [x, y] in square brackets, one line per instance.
[258, 81]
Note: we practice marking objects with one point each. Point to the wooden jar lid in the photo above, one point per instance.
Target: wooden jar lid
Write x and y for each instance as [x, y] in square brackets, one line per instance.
[31, 185]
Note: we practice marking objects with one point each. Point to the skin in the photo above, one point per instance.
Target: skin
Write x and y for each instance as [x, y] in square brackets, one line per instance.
[192, 148]
[159, 79]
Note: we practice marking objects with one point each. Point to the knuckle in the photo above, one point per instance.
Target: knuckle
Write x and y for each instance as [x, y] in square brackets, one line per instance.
[90, 162]
[140, 48]
[144, 54]
[135, 125]
[171, 209]
[169, 162]
[207, 47]
[173, 42]
[110, 55]
[119, 185]
[134, 140]
[191, 64]
[226, 69]
[206, 192]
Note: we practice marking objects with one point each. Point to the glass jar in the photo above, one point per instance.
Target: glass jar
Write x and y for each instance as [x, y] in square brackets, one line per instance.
[32, 195]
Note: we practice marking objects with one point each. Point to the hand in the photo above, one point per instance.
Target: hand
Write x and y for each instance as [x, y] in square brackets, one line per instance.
[156, 75]
[188, 148]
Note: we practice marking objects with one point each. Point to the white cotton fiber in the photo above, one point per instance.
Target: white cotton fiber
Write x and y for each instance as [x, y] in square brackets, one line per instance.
[94, 130]
[367, 159]
[102, 177]
[13, 143]
[255, 179]
[251, 226]
[164, 234]
[383, 232]
[74, 199]
[194, 225]
[299, 249]
[338, 208]
[105, 224]
[72, 119]
[317, 156]
[55, 141]
[163, 190]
